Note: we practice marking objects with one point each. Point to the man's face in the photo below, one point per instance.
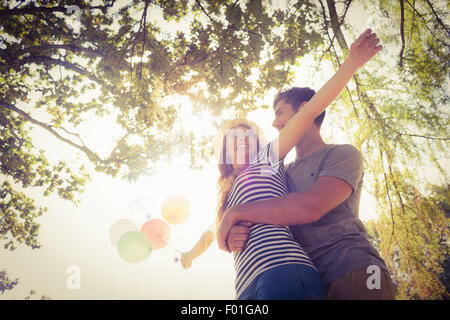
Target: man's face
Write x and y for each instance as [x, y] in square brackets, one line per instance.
[283, 113]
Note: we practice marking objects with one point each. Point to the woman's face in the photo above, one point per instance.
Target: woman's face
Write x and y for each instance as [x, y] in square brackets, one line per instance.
[241, 146]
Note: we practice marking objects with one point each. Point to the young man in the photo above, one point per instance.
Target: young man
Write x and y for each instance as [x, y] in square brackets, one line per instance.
[322, 211]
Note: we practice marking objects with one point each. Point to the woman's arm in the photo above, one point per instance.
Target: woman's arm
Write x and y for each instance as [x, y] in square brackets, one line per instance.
[199, 248]
[361, 51]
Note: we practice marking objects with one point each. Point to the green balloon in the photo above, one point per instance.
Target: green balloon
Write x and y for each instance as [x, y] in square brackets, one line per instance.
[134, 246]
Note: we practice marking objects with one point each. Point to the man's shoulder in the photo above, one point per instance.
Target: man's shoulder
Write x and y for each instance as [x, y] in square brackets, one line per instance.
[344, 151]
[334, 150]
[346, 148]
[331, 155]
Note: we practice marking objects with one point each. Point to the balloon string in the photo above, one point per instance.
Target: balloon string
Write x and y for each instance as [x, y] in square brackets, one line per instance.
[173, 247]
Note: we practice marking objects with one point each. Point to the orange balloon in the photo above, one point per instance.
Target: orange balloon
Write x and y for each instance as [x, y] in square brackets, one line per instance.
[157, 231]
[176, 209]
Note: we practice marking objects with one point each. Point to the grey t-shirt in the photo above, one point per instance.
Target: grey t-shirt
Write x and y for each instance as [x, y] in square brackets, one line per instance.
[338, 242]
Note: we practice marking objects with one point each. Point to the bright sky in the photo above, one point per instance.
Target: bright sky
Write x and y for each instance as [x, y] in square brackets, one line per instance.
[79, 236]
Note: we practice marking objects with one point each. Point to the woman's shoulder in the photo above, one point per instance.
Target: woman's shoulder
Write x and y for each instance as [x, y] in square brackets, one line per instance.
[267, 155]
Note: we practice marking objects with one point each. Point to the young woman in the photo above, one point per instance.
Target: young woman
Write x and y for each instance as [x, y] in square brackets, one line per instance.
[272, 265]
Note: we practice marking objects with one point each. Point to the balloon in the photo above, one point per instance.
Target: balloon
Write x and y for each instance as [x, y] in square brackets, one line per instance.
[134, 247]
[175, 209]
[157, 231]
[120, 227]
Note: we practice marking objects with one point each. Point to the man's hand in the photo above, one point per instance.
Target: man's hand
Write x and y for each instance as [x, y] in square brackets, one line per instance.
[238, 236]
[228, 221]
[364, 48]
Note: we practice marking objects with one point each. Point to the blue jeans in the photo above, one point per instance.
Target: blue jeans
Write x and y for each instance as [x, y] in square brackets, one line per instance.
[286, 282]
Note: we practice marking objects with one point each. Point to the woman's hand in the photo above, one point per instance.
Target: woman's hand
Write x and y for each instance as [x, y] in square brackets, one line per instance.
[364, 48]
[186, 260]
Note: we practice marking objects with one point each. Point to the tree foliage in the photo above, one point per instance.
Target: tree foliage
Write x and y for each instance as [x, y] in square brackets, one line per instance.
[123, 59]
[6, 283]
[49, 63]
[402, 127]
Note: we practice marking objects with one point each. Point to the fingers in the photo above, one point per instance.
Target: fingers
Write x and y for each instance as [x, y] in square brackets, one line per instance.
[245, 223]
[362, 37]
[186, 264]
[367, 49]
[371, 40]
[236, 249]
[240, 230]
[237, 246]
[227, 235]
[368, 40]
[238, 233]
[371, 37]
[374, 46]
[365, 34]
[374, 41]
[237, 238]
[223, 245]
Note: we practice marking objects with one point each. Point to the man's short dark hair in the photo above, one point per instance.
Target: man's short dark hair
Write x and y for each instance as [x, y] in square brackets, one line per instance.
[295, 97]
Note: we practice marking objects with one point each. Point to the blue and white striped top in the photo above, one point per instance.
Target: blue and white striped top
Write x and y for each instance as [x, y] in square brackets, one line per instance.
[268, 246]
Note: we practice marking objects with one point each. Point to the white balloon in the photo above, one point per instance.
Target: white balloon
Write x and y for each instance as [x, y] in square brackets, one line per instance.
[120, 227]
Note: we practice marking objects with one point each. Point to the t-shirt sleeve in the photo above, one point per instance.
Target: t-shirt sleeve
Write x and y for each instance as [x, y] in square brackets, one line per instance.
[344, 162]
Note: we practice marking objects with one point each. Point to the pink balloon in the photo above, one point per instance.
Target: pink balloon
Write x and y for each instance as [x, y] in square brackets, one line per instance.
[157, 231]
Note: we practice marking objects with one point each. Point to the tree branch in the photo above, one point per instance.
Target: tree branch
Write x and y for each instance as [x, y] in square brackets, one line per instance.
[326, 26]
[402, 31]
[426, 24]
[205, 12]
[422, 136]
[74, 134]
[91, 155]
[437, 18]
[362, 95]
[144, 18]
[336, 25]
[334, 50]
[48, 46]
[32, 9]
[5, 55]
[389, 199]
[50, 61]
